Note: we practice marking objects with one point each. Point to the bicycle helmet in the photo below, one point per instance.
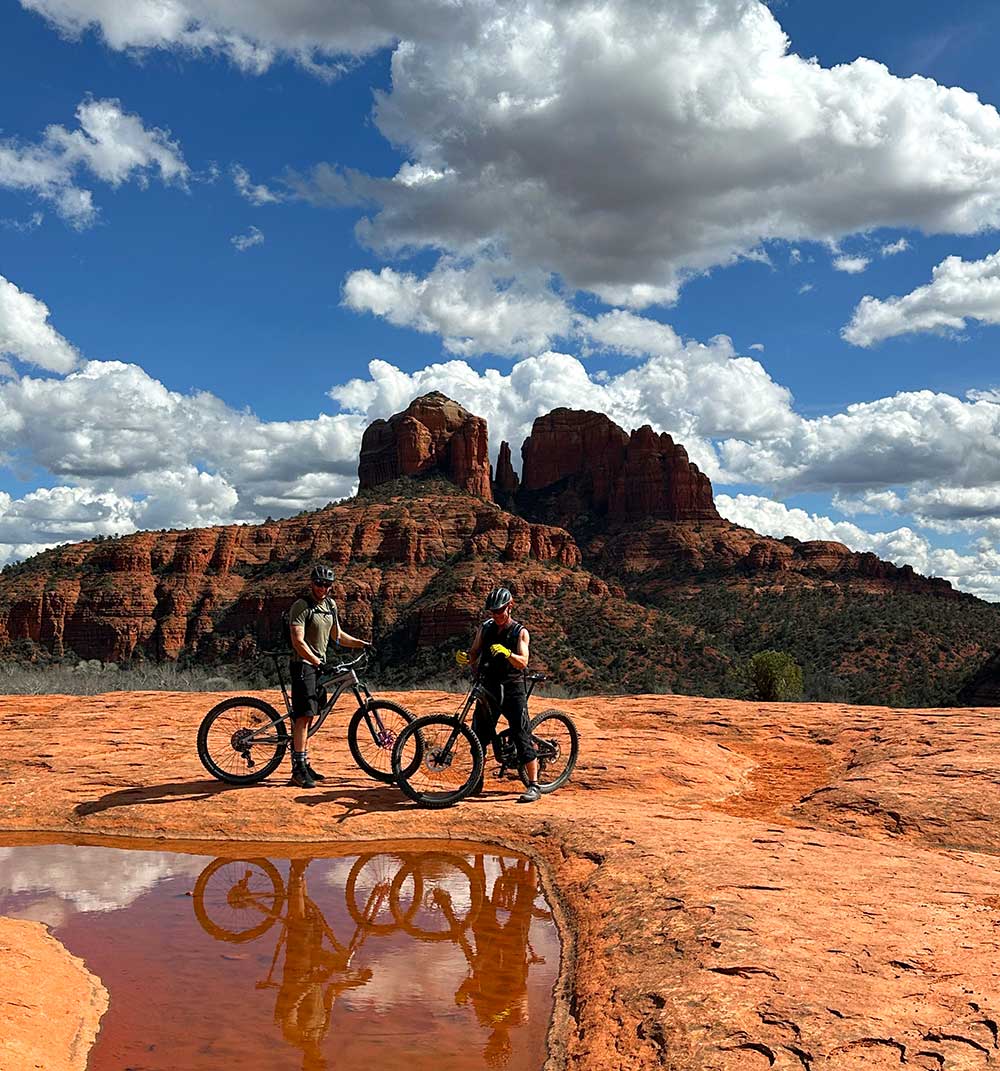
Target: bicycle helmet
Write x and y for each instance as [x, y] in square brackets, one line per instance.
[497, 599]
[322, 574]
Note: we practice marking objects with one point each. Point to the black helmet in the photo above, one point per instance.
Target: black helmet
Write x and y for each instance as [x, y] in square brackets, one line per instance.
[497, 599]
[322, 574]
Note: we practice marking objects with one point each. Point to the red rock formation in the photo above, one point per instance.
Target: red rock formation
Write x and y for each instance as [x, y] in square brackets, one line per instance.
[415, 562]
[581, 463]
[433, 435]
[505, 483]
[686, 548]
[201, 591]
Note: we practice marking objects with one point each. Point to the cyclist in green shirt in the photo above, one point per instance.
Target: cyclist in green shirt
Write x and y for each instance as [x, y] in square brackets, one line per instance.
[314, 622]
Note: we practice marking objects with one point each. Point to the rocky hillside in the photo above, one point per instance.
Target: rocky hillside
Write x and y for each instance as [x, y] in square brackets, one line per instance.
[627, 575]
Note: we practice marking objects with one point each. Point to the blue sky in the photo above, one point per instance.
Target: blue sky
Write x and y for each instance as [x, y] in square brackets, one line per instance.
[229, 240]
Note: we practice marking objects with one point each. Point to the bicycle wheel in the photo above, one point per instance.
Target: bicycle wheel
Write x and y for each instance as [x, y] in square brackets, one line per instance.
[235, 743]
[372, 746]
[437, 760]
[449, 894]
[558, 744]
[236, 900]
[369, 892]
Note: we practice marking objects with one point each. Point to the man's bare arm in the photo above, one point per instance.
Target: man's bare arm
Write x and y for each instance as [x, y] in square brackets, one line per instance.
[347, 640]
[519, 656]
[301, 647]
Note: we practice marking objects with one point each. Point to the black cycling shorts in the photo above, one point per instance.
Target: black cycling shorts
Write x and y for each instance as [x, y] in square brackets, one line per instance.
[307, 695]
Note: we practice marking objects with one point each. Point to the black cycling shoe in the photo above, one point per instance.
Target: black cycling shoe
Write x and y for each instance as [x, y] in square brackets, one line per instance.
[532, 794]
[301, 776]
[313, 774]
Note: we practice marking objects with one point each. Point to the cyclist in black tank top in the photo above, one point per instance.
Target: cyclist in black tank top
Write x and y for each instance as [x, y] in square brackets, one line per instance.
[501, 649]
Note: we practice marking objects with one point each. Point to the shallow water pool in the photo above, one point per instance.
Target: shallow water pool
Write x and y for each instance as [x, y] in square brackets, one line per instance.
[438, 959]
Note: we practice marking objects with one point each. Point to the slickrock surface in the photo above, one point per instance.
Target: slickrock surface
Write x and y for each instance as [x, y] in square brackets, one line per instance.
[50, 1004]
[741, 886]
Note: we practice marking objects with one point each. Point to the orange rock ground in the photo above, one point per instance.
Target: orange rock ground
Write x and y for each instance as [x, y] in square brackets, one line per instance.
[740, 886]
[50, 1004]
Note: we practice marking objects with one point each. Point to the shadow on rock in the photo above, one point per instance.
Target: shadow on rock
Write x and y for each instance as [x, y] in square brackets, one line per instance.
[358, 800]
[176, 791]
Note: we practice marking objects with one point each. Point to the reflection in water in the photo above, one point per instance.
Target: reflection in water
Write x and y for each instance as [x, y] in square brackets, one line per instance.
[391, 961]
[484, 906]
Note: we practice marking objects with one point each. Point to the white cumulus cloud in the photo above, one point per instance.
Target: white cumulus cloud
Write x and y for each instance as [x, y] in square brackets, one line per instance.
[851, 265]
[624, 148]
[959, 291]
[109, 143]
[911, 437]
[892, 249]
[253, 34]
[254, 192]
[26, 334]
[477, 308]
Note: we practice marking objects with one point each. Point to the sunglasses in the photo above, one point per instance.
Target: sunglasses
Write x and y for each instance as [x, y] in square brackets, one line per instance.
[322, 583]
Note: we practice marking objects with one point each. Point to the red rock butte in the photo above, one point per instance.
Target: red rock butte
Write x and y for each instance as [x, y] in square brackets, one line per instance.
[609, 538]
[592, 464]
[433, 435]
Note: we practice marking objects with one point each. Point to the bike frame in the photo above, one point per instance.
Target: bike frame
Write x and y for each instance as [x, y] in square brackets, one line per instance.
[343, 678]
[478, 692]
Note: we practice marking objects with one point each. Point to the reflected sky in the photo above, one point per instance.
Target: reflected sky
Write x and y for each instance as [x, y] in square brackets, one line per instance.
[84, 878]
[394, 959]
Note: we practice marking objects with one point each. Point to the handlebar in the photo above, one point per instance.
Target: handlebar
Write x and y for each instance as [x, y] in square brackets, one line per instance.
[334, 668]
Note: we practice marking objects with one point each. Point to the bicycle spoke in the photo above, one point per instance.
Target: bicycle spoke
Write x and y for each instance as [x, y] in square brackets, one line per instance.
[446, 765]
[556, 742]
[240, 740]
[237, 900]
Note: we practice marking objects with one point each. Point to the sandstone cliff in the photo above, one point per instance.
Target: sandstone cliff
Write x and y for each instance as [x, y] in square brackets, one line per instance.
[434, 435]
[611, 542]
[580, 465]
[216, 591]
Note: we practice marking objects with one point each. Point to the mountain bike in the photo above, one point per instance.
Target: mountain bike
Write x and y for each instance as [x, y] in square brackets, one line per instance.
[437, 759]
[243, 739]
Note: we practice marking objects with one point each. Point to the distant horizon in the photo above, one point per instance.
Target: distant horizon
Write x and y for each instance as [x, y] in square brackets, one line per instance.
[230, 239]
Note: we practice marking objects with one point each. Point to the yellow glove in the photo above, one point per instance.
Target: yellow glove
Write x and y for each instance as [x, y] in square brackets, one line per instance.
[498, 649]
[462, 658]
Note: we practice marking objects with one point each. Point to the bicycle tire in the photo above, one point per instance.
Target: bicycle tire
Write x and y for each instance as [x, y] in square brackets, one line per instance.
[226, 933]
[427, 882]
[351, 891]
[422, 736]
[376, 751]
[214, 763]
[571, 734]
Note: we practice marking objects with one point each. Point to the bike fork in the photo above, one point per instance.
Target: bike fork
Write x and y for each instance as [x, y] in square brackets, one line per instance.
[381, 735]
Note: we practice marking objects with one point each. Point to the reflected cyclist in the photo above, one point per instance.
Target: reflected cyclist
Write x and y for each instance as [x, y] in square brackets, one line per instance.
[498, 985]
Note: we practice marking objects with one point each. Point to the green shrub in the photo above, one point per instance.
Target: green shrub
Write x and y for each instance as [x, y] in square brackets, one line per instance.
[774, 675]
